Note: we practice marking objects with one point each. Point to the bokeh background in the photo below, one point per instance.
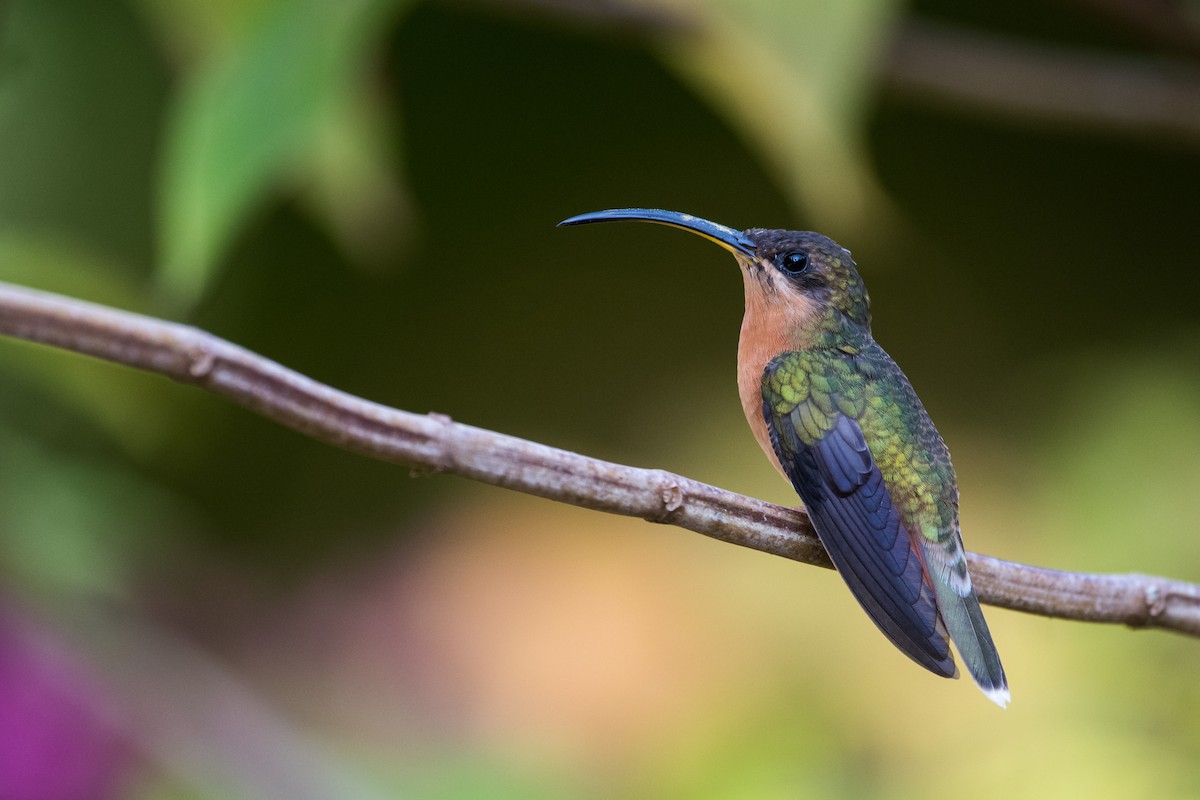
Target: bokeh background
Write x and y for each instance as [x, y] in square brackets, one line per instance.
[197, 603]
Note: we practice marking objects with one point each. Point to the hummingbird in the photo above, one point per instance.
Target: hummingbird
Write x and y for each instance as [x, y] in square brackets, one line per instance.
[839, 420]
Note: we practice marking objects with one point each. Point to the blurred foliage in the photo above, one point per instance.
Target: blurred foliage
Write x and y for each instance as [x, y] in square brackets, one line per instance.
[751, 57]
[366, 191]
[248, 113]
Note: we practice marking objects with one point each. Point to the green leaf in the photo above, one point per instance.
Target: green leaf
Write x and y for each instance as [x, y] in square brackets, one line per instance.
[245, 118]
[353, 188]
[794, 76]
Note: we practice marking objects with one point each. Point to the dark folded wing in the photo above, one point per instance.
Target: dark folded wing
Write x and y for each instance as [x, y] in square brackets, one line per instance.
[831, 466]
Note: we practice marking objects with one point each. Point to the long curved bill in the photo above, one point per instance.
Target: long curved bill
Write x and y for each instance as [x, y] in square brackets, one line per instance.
[734, 241]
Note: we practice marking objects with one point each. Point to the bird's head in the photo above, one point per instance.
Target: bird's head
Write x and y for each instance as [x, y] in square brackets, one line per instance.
[798, 275]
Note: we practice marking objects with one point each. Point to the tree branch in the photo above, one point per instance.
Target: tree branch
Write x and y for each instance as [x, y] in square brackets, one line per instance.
[436, 443]
[1166, 24]
[965, 69]
[1014, 78]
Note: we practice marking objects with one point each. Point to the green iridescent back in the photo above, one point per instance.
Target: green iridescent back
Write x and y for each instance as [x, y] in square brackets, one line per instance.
[865, 384]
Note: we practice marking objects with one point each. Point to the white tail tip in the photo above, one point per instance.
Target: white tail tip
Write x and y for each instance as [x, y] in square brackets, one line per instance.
[999, 696]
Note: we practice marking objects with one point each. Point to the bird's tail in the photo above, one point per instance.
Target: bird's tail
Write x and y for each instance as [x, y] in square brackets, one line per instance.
[969, 632]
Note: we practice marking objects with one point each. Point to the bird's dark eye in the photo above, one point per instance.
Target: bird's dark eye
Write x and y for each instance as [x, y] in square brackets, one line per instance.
[793, 263]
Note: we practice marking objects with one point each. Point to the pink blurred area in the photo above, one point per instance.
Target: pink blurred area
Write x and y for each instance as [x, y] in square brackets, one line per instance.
[58, 740]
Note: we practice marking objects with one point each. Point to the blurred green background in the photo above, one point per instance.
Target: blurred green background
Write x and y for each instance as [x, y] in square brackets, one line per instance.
[197, 603]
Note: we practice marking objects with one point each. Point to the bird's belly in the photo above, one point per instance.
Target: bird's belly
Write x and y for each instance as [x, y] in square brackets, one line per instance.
[754, 353]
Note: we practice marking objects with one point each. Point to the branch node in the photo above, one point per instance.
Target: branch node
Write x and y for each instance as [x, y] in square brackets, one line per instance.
[1156, 602]
[447, 460]
[672, 497]
[200, 364]
[670, 494]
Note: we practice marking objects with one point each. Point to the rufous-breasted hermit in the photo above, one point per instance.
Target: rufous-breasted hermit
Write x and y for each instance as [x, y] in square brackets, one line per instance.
[837, 417]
